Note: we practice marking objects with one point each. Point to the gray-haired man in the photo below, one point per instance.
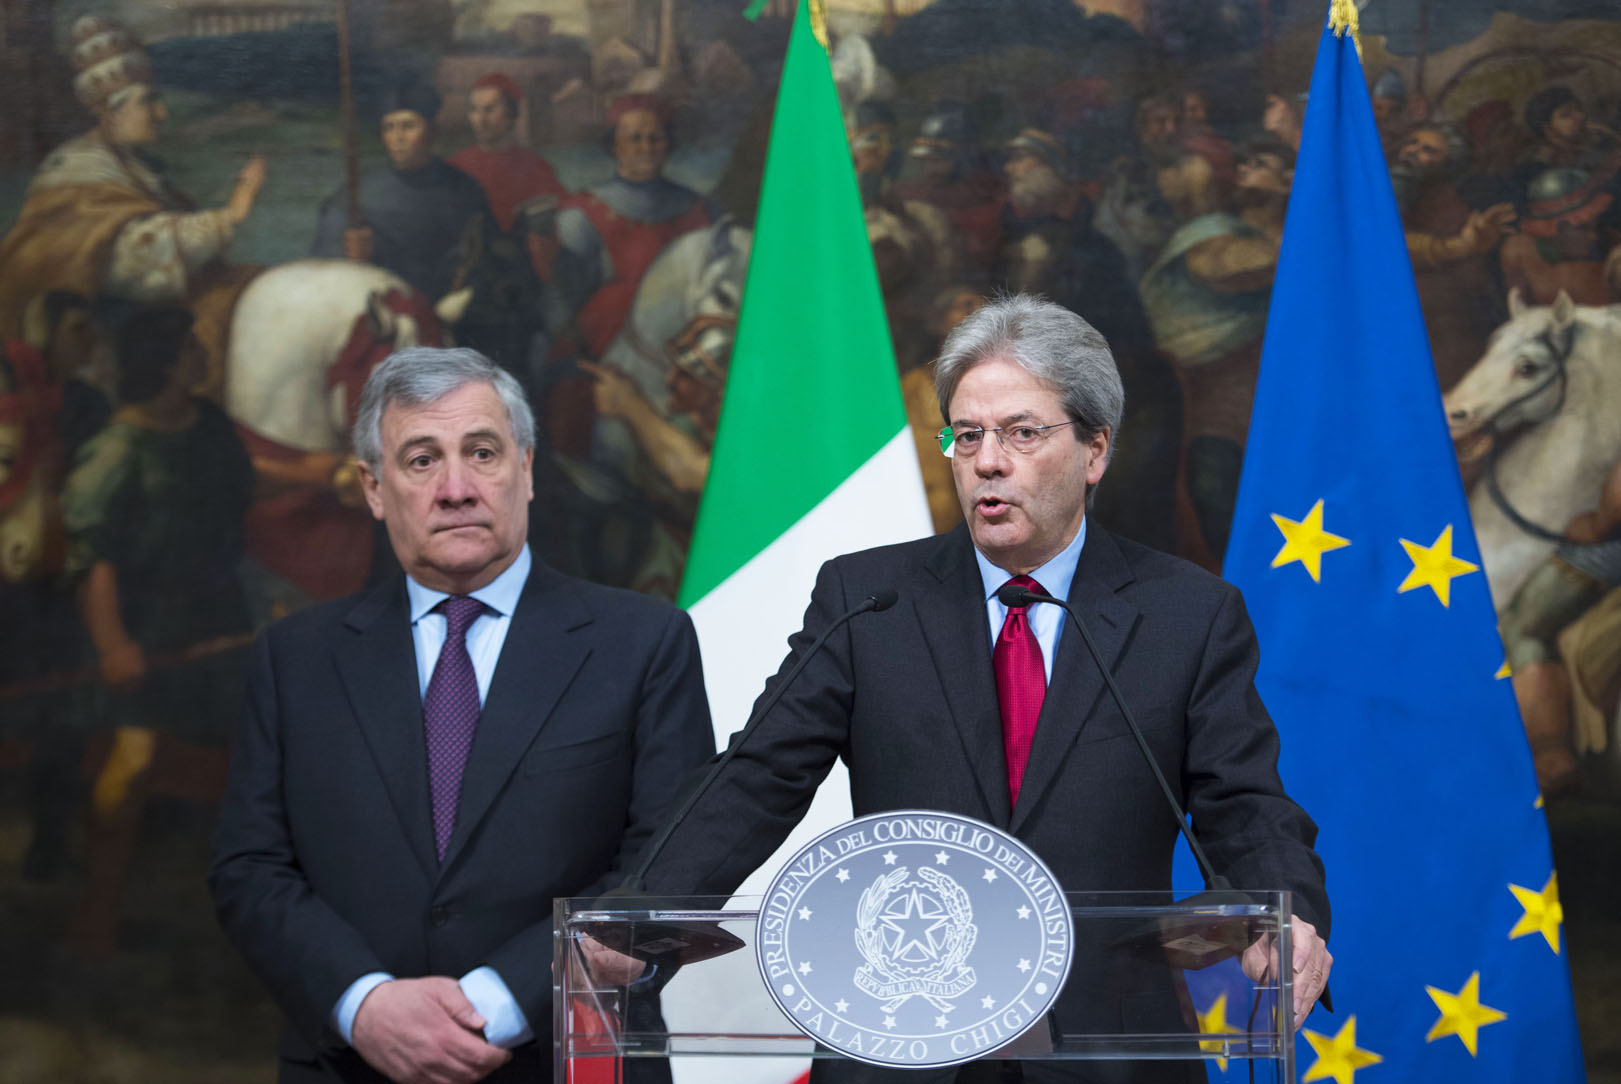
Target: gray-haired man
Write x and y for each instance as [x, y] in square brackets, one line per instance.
[950, 700]
[422, 769]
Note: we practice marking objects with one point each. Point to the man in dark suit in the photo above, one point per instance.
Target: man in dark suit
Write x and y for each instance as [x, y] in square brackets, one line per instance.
[950, 701]
[422, 769]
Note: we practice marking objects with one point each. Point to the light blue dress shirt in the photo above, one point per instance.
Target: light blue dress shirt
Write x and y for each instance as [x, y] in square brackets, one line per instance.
[1046, 620]
[504, 1022]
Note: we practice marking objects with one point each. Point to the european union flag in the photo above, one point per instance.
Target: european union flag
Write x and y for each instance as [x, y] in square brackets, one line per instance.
[1380, 658]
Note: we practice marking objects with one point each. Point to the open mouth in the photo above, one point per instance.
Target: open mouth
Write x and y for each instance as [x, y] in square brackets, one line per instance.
[992, 506]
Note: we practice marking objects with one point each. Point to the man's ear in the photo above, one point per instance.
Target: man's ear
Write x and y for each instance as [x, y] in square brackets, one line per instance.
[371, 486]
[1102, 445]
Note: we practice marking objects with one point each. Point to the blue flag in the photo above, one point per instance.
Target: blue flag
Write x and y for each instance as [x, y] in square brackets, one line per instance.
[1380, 658]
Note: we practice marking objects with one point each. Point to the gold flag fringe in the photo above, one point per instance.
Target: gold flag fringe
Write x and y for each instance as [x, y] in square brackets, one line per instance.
[818, 20]
[1342, 17]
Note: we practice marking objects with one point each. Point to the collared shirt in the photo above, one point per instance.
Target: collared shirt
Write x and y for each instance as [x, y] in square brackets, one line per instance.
[505, 1023]
[485, 635]
[1046, 620]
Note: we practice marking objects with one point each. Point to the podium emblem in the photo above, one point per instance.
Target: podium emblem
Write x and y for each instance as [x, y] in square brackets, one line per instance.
[914, 938]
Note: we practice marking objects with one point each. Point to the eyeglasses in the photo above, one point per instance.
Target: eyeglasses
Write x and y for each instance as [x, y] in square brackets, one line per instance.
[1021, 438]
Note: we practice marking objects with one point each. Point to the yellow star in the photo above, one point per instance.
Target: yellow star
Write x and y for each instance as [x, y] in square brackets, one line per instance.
[1435, 567]
[1338, 1057]
[1462, 1014]
[1503, 671]
[1306, 541]
[1543, 914]
[1214, 1022]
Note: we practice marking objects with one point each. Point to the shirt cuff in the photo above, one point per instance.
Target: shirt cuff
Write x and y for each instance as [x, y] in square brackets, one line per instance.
[343, 1014]
[505, 1025]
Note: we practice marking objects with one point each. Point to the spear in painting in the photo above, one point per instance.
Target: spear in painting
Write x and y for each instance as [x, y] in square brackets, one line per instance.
[346, 110]
[1423, 46]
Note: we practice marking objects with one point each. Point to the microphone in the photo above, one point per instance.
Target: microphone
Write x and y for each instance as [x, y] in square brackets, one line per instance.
[877, 601]
[1011, 595]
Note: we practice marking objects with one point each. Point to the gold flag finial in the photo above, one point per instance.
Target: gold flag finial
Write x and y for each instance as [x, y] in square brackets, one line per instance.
[818, 20]
[1342, 17]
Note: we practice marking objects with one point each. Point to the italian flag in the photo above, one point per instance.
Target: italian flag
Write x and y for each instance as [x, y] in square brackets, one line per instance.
[812, 458]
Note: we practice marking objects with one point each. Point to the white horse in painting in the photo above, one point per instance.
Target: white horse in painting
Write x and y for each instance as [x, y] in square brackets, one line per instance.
[1549, 385]
[696, 280]
[700, 274]
[304, 332]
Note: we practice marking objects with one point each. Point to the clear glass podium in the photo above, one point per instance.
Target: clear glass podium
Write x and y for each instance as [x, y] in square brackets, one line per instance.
[1156, 976]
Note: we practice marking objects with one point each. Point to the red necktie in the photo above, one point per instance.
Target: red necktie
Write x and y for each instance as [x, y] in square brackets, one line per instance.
[1021, 686]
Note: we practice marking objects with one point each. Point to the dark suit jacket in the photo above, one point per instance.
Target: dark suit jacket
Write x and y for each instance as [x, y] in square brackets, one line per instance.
[908, 698]
[324, 863]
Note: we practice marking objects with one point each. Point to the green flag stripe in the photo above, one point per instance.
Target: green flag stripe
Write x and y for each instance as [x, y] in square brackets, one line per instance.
[813, 392]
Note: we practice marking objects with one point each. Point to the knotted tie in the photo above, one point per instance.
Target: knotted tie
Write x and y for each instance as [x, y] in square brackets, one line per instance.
[450, 714]
[1021, 686]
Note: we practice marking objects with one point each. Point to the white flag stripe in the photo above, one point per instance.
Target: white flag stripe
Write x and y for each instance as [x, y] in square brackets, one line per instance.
[743, 629]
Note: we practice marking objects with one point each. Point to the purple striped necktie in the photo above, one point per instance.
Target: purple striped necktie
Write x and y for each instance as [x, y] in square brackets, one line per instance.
[450, 711]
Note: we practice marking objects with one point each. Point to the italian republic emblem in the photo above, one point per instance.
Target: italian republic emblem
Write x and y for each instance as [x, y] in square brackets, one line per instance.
[914, 938]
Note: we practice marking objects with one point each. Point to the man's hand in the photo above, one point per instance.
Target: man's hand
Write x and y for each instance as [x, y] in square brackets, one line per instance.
[249, 180]
[1311, 964]
[1484, 229]
[424, 1031]
[616, 394]
[122, 663]
[608, 967]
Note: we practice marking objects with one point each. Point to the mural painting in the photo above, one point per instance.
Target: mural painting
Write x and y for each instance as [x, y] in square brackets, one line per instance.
[216, 216]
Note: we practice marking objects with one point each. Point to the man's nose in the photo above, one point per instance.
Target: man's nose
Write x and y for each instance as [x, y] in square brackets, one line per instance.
[456, 484]
[992, 458]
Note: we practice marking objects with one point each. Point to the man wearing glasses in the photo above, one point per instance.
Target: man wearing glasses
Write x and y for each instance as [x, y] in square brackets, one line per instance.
[949, 700]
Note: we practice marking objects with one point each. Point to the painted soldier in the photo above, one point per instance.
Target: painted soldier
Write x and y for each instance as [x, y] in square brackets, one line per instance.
[611, 234]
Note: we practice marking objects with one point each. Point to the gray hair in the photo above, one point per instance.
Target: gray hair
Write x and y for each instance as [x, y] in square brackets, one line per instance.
[424, 374]
[1050, 343]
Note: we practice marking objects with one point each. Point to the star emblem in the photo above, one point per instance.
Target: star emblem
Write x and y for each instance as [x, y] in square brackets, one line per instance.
[1462, 1014]
[1024, 966]
[804, 914]
[917, 921]
[941, 858]
[889, 1022]
[1338, 1058]
[990, 875]
[1543, 913]
[841, 1006]
[1213, 1021]
[805, 967]
[889, 858]
[987, 1002]
[939, 1021]
[1306, 541]
[843, 875]
[1435, 567]
[1024, 912]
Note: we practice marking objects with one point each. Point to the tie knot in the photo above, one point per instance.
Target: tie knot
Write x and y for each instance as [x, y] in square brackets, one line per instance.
[460, 612]
[1029, 585]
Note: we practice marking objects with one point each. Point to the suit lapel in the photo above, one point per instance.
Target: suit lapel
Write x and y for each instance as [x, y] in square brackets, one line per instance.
[540, 657]
[380, 676]
[1072, 697]
[951, 606]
